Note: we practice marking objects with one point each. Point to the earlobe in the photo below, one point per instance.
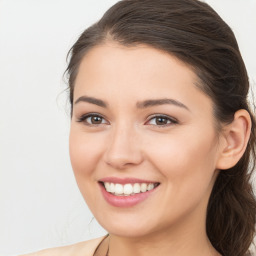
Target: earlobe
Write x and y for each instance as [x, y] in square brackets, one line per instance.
[236, 136]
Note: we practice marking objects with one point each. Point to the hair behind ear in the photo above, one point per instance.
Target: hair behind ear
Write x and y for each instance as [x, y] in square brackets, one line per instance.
[231, 213]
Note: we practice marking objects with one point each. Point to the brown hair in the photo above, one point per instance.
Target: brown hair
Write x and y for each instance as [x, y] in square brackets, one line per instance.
[193, 32]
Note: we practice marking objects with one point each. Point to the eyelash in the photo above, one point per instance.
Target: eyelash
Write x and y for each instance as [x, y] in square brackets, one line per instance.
[83, 118]
[171, 121]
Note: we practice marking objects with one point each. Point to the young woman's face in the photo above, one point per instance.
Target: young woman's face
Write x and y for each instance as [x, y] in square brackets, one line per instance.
[140, 124]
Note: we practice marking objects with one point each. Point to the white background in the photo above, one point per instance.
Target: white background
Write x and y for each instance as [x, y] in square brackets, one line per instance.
[40, 205]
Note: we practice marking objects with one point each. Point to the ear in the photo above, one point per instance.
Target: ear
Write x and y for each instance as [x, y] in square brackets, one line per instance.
[234, 140]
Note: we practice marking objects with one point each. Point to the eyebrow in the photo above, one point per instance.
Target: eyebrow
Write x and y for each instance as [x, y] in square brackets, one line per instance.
[156, 102]
[141, 104]
[92, 100]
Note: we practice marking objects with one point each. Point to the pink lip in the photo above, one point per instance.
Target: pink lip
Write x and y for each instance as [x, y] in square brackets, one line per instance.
[125, 201]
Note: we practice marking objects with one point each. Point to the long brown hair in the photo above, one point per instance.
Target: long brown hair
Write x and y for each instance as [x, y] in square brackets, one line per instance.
[193, 32]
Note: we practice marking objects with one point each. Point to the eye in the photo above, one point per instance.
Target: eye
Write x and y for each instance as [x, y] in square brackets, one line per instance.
[92, 119]
[161, 120]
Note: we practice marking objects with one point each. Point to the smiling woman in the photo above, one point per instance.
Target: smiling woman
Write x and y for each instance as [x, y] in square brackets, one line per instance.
[138, 145]
[161, 133]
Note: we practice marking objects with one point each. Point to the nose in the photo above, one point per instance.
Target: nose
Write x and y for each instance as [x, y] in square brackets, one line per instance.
[123, 149]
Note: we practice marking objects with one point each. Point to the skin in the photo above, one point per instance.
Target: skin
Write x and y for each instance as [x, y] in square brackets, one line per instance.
[183, 154]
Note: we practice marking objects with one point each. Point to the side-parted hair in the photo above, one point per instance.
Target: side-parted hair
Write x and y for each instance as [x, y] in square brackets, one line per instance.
[194, 33]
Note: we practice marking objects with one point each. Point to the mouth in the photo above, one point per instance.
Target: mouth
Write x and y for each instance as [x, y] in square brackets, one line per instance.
[126, 192]
[128, 189]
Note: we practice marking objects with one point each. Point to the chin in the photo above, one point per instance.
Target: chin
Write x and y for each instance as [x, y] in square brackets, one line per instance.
[127, 225]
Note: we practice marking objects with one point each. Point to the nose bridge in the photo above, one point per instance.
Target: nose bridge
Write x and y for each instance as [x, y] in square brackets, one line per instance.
[123, 148]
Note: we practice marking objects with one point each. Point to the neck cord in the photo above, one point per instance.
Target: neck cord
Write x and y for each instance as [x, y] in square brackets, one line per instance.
[107, 250]
[108, 246]
[103, 247]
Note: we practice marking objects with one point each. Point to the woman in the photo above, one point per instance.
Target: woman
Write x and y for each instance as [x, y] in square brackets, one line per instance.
[162, 140]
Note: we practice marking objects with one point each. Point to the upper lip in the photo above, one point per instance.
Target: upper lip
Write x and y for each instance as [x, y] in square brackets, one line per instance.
[127, 180]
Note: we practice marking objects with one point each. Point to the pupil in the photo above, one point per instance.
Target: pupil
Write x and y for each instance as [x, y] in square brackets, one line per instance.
[161, 120]
[96, 120]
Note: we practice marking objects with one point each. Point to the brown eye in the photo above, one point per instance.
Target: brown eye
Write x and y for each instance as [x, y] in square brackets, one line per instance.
[162, 121]
[92, 119]
[95, 120]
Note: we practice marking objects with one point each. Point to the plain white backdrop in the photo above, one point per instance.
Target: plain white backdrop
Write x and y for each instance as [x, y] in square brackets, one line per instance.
[40, 205]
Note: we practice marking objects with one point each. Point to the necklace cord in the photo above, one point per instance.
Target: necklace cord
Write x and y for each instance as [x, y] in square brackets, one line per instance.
[100, 247]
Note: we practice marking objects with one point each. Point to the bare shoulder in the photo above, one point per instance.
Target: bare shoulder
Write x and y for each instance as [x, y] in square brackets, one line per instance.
[86, 248]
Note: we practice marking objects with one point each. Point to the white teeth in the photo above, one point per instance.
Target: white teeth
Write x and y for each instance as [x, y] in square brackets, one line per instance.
[150, 186]
[143, 187]
[136, 188]
[119, 189]
[112, 188]
[107, 186]
[128, 189]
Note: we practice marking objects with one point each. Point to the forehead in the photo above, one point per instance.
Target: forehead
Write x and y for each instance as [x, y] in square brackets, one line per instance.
[140, 72]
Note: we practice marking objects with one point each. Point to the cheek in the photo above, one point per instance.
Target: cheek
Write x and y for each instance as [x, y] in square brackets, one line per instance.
[85, 152]
[185, 158]
[187, 166]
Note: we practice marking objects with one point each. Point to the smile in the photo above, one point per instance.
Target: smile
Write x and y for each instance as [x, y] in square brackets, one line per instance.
[128, 189]
[126, 192]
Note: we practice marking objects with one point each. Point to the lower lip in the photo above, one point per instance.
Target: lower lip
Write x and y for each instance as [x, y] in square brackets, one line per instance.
[125, 201]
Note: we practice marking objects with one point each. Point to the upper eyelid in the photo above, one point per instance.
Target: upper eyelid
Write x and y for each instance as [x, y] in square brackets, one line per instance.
[82, 118]
[91, 114]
